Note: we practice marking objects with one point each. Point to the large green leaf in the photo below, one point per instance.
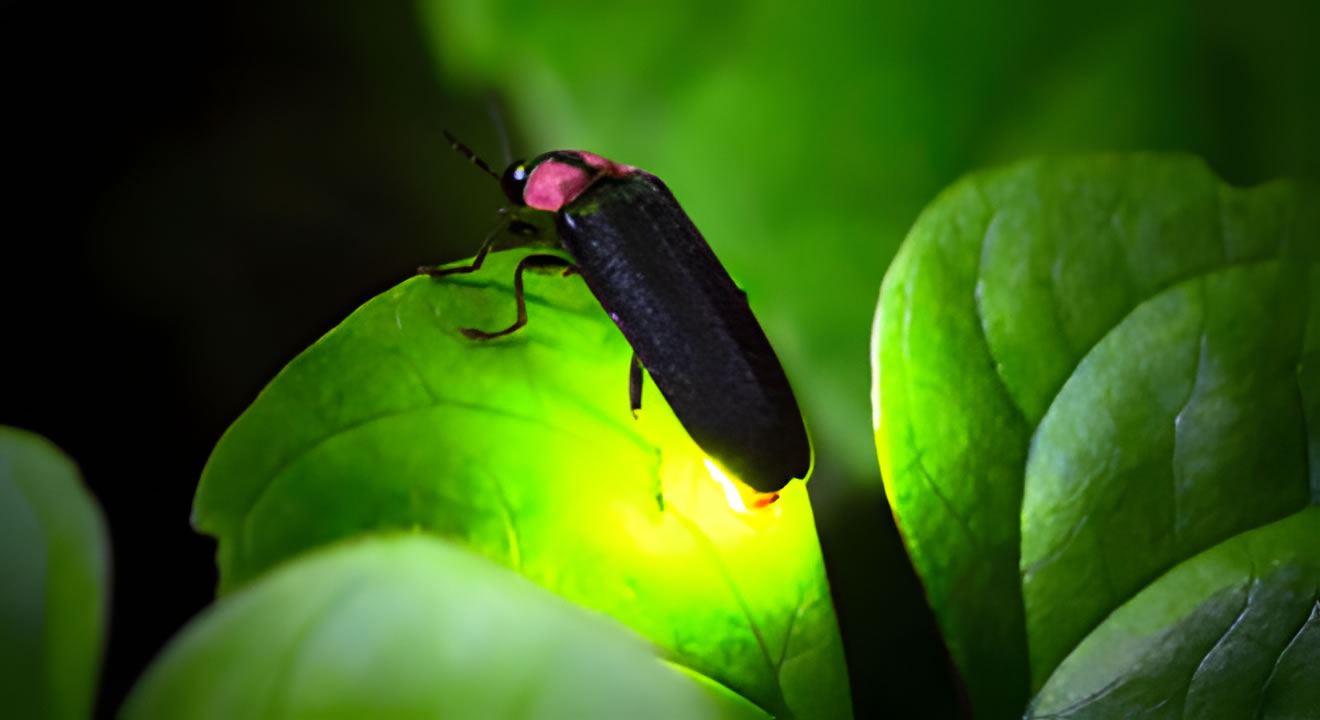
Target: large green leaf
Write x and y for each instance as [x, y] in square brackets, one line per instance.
[524, 449]
[53, 556]
[1088, 372]
[411, 626]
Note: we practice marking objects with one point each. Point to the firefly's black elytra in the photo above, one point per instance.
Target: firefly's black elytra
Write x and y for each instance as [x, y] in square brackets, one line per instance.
[689, 325]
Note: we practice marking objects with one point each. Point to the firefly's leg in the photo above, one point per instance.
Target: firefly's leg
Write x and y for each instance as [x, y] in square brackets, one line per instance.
[635, 386]
[635, 400]
[436, 271]
[533, 261]
[515, 226]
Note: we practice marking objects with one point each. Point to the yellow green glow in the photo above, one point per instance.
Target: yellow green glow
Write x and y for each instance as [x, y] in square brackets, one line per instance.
[731, 494]
[545, 472]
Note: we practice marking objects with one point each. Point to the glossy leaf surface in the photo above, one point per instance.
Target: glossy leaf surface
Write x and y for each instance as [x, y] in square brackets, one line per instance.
[1091, 372]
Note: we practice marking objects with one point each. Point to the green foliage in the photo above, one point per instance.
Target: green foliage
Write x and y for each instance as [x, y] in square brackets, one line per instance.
[53, 556]
[524, 450]
[410, 626]
[804, 139]
[1096, 379]
[1231, 633]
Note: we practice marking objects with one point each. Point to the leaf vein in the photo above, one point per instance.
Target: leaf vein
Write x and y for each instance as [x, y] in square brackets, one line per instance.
[752, 625]
[788, 633]
[977, 303]
[1312, 616]
[1242, 614]
[1174, 472]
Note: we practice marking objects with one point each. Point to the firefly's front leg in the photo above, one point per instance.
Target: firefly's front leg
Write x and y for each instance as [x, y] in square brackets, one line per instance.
[532, 261]
[514, 225]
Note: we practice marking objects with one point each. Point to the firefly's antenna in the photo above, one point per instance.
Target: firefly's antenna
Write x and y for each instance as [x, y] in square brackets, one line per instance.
[493, 106]
[467, 153]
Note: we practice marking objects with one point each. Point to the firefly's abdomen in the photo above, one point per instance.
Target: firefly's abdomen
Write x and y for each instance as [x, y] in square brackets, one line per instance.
[689, 324]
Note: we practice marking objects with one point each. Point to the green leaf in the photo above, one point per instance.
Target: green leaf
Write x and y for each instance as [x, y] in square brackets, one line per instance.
[1088, 372]
[1231, 633]
[410, 626]
[53, 556]
[524, 450]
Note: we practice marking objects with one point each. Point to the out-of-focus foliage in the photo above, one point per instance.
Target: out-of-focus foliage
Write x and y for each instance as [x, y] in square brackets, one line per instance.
[525, 450]
[410, 626]
[804, 139]
[1097, 398]
[53, 582]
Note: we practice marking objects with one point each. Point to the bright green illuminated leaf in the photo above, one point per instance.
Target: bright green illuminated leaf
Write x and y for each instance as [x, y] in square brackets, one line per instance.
[410, 626]
[524, 449]
[53, 557]
[1090, 371]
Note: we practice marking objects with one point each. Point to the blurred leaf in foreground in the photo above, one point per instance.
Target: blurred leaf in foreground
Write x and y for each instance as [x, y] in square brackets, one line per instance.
[524, 450]
[410, 626]
[54, 553]
[1097, 403]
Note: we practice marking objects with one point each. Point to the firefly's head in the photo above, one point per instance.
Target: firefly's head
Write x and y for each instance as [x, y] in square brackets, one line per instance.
[514, 181]
[554, 179]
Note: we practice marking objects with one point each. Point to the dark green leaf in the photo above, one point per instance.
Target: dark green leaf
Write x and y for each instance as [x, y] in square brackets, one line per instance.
[1231, 633]
[411, 626]
[524, 449]
[53, 556]
[1089, 371]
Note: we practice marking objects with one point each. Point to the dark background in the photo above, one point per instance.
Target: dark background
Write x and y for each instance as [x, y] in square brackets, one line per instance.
[199, 191]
